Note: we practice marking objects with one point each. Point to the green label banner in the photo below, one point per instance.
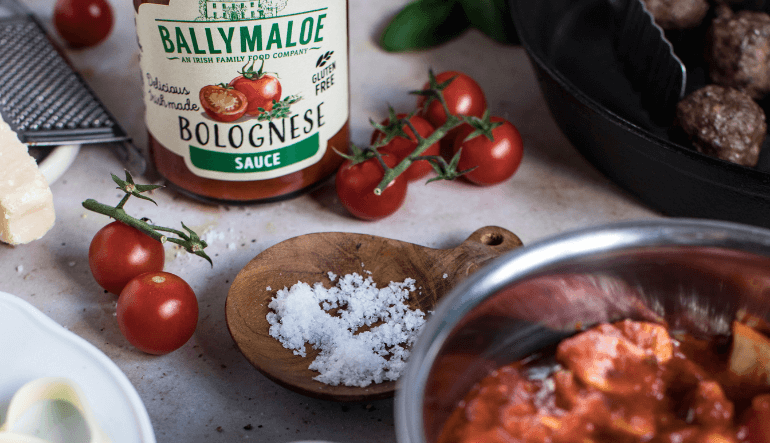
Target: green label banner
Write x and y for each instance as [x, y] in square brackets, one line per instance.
[254, 162]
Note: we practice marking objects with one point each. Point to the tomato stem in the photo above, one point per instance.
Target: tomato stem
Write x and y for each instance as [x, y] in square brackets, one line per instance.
[422, 146]
[188, 240]
[249, 72]
[444, 170]
[123, 201]
[121, 216]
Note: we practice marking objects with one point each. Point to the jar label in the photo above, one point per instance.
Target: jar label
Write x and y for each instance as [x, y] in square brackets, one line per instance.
[245, 90]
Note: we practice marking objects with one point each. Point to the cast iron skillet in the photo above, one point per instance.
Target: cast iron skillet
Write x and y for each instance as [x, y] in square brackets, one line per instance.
[571, 46]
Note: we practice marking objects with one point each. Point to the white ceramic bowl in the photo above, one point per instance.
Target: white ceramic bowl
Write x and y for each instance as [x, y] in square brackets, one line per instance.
[33, 346]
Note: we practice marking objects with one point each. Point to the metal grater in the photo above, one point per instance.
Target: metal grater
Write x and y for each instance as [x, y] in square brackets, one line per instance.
[43, 99]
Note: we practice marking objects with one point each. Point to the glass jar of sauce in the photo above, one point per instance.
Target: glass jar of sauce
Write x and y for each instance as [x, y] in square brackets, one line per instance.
[246, 101]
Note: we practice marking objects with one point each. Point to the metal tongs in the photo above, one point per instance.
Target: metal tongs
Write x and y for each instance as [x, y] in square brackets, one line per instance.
[44, 100]
[649, 58]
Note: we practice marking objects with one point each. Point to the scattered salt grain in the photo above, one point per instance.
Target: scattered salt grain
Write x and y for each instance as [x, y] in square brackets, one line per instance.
[446, 275]
[212, 236]
[363, 333]
[20, 269]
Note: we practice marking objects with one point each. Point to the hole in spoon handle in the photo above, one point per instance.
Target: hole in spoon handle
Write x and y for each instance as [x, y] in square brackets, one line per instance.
[495, 237]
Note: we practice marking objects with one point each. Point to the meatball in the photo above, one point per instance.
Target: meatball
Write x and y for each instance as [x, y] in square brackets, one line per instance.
[677, 14]
[724, 123]
[738, 51]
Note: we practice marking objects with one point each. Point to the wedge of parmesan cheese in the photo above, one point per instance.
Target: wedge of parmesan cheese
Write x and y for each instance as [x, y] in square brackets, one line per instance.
[26, 202]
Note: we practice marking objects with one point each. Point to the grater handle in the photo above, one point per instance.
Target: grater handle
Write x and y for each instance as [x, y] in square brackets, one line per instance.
[131, 157]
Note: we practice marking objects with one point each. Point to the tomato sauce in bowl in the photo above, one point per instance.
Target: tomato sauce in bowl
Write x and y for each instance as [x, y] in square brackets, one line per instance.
[628, 381]
[708, 282]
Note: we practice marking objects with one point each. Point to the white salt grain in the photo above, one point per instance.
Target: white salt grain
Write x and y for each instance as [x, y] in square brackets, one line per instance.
[212, 236]
[301, 315]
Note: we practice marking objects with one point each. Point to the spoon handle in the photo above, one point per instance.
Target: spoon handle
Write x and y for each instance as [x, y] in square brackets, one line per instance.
[480, 247]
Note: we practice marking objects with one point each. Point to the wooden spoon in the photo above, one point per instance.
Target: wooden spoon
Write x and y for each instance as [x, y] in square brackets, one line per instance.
[309, 258]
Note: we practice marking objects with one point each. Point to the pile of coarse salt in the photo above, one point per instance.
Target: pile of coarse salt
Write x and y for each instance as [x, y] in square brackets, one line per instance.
[303, 314]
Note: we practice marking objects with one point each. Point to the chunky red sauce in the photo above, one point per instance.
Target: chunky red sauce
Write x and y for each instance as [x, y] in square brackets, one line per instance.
[623, 382]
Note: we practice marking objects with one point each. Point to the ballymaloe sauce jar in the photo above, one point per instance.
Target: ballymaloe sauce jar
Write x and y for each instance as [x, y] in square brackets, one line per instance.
[246, 101]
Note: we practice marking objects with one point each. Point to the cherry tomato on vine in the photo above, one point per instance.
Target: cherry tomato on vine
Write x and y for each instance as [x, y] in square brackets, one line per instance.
[495, 161]
[224, 104]
[402, 147]
[463, 97]
[355, 185]
[157, 312]
[83, 23]
[119, 252]
[260, 88]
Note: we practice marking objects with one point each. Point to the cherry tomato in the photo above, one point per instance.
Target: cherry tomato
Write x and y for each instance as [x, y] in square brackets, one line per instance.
[495, 161]
[157, 312]
[83, 23]
[223, 104]
[355, 187]
[259, 91]
[119, 252]
[463, 97]
[402, 147]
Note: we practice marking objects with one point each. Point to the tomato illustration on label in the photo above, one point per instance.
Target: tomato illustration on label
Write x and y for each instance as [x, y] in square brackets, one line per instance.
[261, 89]
[254, 93]
[223, 103]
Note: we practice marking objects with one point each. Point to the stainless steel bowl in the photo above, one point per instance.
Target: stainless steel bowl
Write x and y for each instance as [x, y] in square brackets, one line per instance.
[694, 275]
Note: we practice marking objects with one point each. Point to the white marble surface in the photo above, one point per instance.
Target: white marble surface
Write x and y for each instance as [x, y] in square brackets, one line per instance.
[207, 391]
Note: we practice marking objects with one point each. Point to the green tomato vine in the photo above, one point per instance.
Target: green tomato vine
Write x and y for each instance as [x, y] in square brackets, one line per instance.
[189, 240]
[395, 128]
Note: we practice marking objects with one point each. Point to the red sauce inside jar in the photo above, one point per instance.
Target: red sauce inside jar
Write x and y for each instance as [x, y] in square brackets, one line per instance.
[173, 168]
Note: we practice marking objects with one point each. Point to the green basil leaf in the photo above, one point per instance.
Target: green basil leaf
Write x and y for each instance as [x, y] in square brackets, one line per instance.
[493, 18]
[424, 24]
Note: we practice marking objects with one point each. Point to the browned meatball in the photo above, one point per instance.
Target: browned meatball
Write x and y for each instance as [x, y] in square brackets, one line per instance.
[677, 14]
[723, 123]
[739, 51]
